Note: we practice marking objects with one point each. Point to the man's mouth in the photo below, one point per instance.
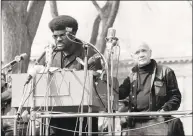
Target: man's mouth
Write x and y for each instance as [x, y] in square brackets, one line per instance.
[142, 59]
[59, 45]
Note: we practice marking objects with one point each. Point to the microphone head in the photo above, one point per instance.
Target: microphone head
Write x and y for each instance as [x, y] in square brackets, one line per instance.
[36, 69]
[111, 34]
[23, 56]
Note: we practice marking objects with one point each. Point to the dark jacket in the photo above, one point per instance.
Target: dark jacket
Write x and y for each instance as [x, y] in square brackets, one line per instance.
[175, 127]
[72, 61]
[167, 95]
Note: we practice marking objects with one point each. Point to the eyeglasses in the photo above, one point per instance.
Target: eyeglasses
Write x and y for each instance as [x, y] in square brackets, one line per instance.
[60, 35]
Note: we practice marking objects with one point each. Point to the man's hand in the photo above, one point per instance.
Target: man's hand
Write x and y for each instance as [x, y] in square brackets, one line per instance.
[94, 62]
[160, 118]
[25, 115]
[122, 107]
[161, 110]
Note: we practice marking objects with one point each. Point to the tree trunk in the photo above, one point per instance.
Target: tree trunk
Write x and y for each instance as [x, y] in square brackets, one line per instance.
[53, 9]
[94, 34]
[107, 17]
[20, 26]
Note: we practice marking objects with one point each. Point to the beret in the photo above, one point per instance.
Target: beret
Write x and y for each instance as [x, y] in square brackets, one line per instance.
[63, 22]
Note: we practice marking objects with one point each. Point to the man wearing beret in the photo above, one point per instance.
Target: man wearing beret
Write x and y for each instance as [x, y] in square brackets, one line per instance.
[65, 55]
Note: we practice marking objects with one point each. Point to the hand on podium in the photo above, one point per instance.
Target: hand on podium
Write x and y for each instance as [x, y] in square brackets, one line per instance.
[24, 116]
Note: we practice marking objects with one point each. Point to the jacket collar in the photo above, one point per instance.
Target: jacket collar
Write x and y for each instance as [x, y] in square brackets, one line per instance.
[69, 59]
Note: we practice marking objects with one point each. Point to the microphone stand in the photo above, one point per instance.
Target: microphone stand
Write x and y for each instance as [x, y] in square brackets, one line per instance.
[110, 64]
[32, 112]
[48, 65]
[107, 72]
[9, 66]
[112, 93]
[47, 104]
[85, 75]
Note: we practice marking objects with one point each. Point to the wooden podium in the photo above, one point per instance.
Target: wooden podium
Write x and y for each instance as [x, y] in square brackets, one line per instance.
[64, 90]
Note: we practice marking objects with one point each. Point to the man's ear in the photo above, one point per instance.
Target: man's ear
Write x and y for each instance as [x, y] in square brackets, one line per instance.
[150, 51]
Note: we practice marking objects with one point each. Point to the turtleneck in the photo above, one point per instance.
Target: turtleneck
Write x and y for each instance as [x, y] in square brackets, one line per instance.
[147, 68]
[144, 83]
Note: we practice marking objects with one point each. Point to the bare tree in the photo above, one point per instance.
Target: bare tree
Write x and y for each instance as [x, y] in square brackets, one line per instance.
[20, 21]
[53, 9]
[105, 19]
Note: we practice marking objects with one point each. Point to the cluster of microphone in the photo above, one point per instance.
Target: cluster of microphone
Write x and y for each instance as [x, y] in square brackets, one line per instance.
[111, 41]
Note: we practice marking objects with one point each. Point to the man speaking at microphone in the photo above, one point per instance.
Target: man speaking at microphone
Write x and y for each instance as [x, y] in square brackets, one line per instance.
[67, 51]
[68, 48]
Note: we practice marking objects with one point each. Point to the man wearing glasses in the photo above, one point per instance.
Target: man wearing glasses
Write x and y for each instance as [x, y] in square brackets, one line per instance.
[68, 48]
[67, 51]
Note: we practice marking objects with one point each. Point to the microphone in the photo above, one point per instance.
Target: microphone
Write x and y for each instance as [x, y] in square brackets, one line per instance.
[41, 56]
[44, 53]
[32, 73]
[16, 60]
[111, 39]
[49, 51]
[111, 34]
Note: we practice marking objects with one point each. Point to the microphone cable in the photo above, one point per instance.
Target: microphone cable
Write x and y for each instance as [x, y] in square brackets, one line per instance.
[34, 86]
[106, 66]
[154, 124]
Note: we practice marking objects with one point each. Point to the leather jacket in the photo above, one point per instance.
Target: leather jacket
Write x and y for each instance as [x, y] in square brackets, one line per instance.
[167, 95]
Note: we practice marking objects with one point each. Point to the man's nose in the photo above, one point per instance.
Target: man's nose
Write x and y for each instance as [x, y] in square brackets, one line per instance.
[141, 54]
[59, 38]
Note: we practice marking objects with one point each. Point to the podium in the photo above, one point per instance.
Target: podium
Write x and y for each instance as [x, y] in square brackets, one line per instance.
[65, 91]
[62, 92]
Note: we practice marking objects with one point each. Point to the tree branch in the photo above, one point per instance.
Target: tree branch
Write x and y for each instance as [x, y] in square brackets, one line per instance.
[109, 23]
[148, 6]
[97, 7]
[105, 10]
[53, 9]
[95, 29]
[33, 17]
[113, 12]
[107, 4]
